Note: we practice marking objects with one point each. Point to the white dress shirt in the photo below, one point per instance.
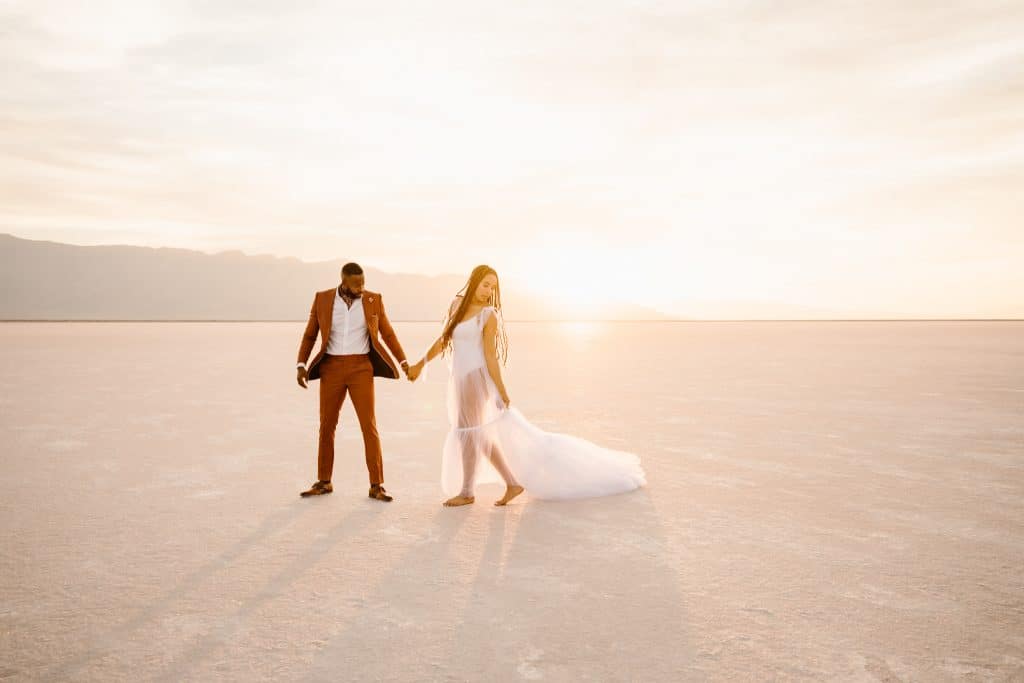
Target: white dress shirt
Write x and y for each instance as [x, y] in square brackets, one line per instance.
[348, 328]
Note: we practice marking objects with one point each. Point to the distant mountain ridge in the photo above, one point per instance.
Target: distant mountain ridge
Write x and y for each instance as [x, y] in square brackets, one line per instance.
[42, 280]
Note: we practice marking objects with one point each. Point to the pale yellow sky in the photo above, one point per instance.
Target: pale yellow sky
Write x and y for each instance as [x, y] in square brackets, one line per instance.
[857, 158]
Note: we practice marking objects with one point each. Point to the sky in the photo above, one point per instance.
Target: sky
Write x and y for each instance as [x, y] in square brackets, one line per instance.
[848, 158]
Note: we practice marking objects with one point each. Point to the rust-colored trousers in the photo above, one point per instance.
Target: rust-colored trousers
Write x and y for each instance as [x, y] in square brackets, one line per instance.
[353, 375]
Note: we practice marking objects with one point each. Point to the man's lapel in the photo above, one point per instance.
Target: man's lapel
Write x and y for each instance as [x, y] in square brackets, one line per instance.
[330, 317]
[367, 301]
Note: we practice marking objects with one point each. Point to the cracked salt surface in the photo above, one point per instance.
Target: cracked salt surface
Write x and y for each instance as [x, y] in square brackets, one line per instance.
[814, 511]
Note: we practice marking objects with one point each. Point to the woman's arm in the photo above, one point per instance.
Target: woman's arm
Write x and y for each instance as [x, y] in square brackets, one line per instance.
[416, 368]
[435, 349]
[491, 355]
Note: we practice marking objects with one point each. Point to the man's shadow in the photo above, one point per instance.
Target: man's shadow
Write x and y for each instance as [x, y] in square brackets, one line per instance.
[393, 634]
[356, 520]
[359, 520]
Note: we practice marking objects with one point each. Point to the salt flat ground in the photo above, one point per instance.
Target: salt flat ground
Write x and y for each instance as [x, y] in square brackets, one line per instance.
[837, 501]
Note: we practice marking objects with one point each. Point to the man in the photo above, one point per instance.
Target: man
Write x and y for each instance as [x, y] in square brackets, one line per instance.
[349, 320]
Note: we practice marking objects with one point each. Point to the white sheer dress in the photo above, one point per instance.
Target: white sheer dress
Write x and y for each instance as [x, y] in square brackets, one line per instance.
[548, 465]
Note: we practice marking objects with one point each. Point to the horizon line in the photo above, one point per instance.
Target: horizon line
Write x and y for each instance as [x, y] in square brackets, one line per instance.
[525, 320]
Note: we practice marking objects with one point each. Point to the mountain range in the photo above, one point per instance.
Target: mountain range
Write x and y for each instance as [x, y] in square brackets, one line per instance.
[43, 280]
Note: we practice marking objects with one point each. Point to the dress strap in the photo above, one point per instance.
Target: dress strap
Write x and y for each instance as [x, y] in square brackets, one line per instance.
[481, 316]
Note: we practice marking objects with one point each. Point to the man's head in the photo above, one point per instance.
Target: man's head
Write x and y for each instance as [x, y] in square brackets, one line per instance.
[352, 279]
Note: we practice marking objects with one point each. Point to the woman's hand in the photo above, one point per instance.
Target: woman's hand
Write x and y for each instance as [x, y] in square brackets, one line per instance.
[415, 370]
[506, 399]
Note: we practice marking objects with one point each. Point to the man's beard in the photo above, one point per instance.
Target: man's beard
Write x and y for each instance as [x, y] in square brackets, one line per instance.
[350, 294]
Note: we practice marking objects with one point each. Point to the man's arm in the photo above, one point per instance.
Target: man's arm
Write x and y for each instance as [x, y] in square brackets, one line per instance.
[306, 346]
[387, 333]
[309, 336]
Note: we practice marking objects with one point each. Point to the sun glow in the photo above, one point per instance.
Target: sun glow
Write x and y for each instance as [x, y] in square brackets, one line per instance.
[571, 273]
[581, 331]
[570, 159]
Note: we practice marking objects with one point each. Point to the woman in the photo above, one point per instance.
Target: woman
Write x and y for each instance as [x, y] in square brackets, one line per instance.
[489, 438]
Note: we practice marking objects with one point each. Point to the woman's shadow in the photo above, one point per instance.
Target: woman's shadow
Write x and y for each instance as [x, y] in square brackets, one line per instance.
[570, 590]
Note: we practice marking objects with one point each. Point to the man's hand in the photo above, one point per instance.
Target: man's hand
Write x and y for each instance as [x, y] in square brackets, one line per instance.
[302, 377]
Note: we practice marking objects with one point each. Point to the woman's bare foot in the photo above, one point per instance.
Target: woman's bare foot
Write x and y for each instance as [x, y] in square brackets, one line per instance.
[459, 500]
[510, 493]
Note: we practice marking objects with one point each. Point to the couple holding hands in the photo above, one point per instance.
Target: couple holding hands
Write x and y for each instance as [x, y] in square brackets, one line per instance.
[488, 440]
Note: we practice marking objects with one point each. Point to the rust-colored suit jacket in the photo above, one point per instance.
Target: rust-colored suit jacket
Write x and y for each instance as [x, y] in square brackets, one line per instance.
[377, 326]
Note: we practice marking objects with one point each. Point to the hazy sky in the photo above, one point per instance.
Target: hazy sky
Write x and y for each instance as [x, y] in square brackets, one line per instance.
[846, 156]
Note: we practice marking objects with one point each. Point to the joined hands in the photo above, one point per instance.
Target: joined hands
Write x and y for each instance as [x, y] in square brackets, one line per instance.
[414, 371]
